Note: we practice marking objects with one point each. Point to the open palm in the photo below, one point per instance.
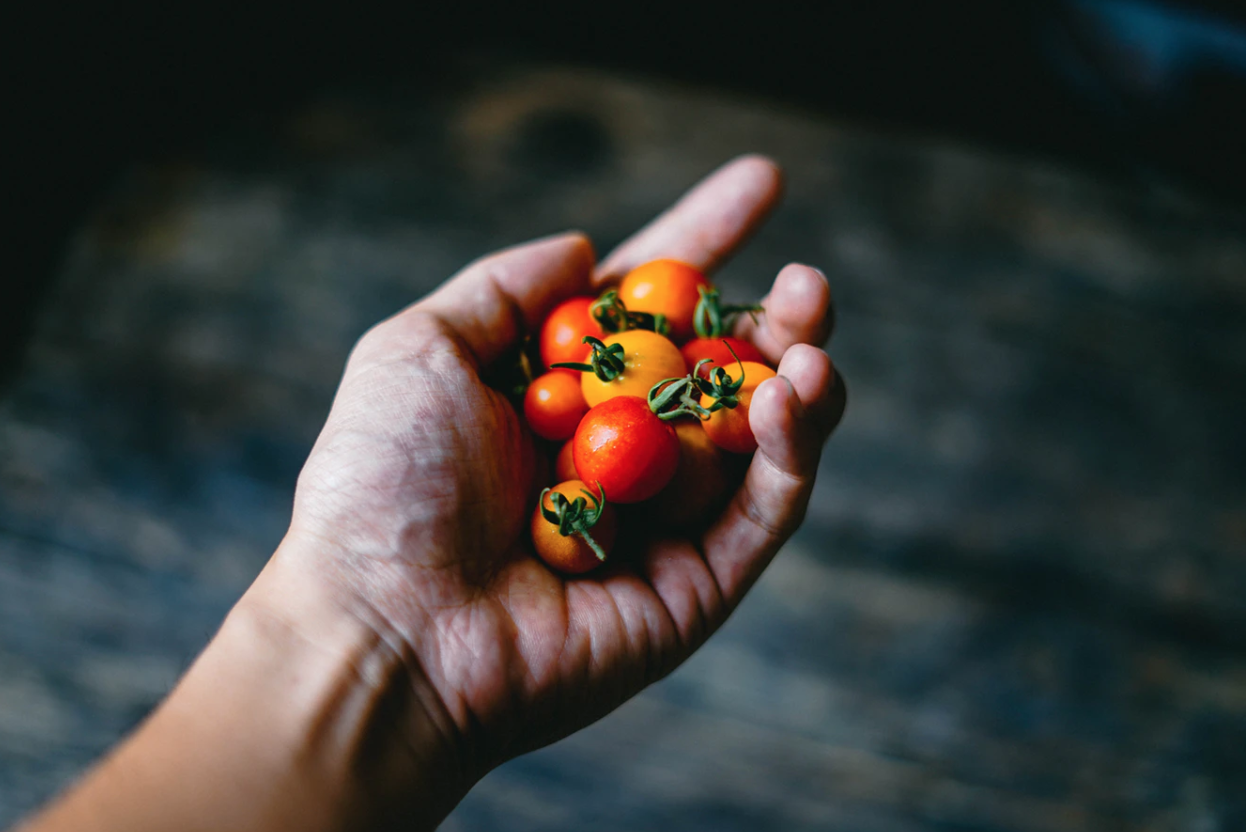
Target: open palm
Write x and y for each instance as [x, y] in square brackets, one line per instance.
[419, 489]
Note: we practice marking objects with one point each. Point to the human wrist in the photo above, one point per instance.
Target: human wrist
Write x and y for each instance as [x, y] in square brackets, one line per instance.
[363, 720]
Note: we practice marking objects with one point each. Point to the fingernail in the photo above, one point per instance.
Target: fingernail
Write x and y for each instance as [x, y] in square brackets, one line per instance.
[567, 236]
[821, 273]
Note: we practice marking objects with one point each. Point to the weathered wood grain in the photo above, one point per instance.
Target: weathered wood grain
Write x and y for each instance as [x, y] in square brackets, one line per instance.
[1019, 601]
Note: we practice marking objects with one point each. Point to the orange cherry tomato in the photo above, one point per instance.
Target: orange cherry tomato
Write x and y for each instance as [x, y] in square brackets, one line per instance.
[621, 445]
[564, 463]
[715, 350]
[729, 428]
[647, 359]
[665, 287]
[572, 553]
[562, 334]
[554, 404]
[702, 481]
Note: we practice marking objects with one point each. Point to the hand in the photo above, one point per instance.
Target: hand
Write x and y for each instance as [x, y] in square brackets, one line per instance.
[413, 506]
[416, 497]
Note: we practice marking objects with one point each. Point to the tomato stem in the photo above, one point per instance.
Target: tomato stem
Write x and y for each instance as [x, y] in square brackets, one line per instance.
[604, 362]
[711, 316]
[672, 398]
[575, 517]
[720, 385]
[612, 315]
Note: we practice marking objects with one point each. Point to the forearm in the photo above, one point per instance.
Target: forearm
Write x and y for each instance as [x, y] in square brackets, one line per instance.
[293, 718]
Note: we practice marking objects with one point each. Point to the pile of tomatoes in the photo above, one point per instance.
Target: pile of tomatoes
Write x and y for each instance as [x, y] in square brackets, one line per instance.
[648, 400]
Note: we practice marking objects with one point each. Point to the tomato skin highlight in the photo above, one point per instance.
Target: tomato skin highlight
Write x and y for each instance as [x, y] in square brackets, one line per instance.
[702, 481]
[564, 463]
[562, 334]
[622, 445]
[554, 404]
[715, 350]
[729, 428]
[570, 554]
[665, 287]
[648, 358]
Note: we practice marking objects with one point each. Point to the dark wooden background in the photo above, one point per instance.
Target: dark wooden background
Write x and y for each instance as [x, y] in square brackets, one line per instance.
[1019, 601]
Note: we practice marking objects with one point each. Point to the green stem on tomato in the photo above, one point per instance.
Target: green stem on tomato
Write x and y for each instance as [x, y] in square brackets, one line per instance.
[575, 517]
[672, 398]
[719, 385]
[604, 362]
[612, 315]
[711, 316]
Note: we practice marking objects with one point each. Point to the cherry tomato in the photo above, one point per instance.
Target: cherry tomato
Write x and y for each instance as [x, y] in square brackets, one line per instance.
[715, 350]
[554, 404]
[572, 553]
[701, 483]
[564, 463]
[647, 359]
[729, 427]
[665, 287]
[562, 334]
[621, 444]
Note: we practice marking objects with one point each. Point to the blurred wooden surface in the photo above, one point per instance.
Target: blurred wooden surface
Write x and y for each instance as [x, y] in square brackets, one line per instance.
[1019, 601]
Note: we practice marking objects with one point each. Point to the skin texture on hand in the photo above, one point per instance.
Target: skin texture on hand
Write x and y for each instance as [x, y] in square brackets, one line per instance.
[419, 489]
[404, 640]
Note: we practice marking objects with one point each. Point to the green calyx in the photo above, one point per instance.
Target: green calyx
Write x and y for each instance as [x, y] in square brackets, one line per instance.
[720, 386]
[711, 317]
[604, 362]
[671, 398]
[575, 516]
[613, 316]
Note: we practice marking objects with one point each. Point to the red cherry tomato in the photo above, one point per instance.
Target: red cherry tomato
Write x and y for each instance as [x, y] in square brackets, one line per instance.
[622, 445]
[665, 287]
[572, 553]
[729, 428]
[564, 463]
[562, 334]
[715, 350]
[554, 404]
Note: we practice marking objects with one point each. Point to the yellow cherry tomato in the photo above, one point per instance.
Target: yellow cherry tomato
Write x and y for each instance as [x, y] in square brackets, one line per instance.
[647, 359]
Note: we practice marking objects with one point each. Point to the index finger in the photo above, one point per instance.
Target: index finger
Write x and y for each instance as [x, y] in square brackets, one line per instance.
[707, 224]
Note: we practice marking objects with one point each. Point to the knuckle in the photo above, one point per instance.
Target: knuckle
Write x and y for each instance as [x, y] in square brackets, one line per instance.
[765, 518]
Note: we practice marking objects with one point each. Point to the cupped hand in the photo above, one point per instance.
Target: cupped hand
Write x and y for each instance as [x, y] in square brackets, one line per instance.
[414, 502]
